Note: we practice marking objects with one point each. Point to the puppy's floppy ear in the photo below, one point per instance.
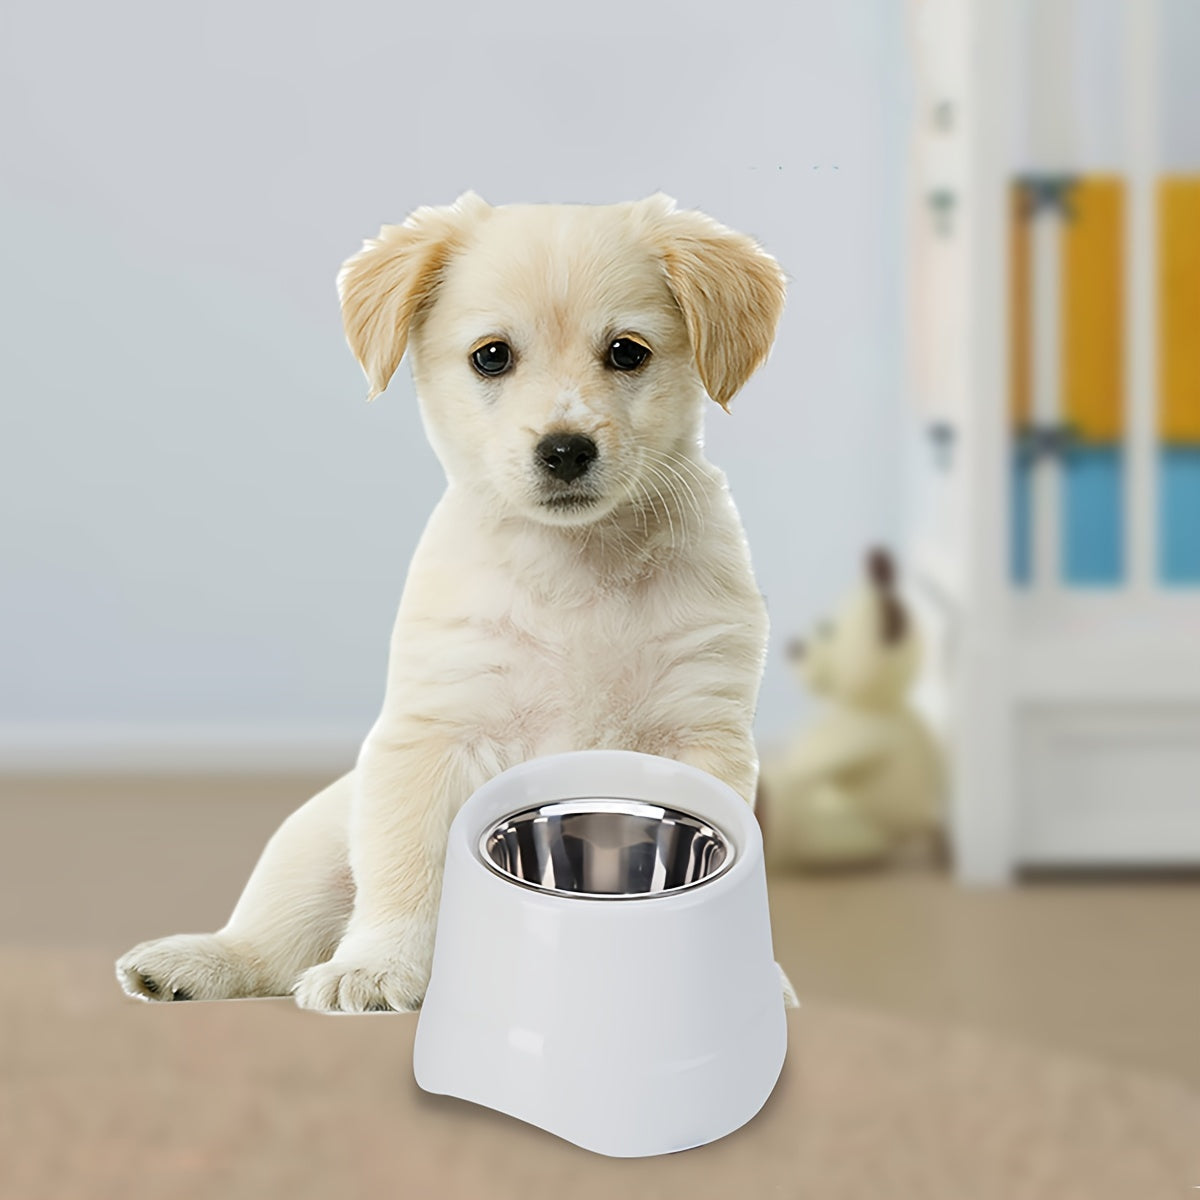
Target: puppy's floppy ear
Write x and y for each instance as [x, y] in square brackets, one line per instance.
[730, 290]
[382, 287]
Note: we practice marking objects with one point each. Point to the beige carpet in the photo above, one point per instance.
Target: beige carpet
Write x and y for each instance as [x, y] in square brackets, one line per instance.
[103, 1096]
[1106, 969]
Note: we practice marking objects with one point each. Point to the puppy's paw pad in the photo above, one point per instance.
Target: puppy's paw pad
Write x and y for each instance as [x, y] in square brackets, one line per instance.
[347, 987]
[189, 966]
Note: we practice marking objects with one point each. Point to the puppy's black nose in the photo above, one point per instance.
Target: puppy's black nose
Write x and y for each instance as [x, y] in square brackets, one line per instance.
[566, 455]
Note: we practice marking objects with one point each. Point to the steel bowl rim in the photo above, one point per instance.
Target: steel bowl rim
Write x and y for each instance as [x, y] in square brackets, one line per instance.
[631, 805]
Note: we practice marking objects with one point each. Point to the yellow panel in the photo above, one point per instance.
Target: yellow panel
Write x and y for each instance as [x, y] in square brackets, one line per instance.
[1092, 299]
[1018, 311]
[1179, 308]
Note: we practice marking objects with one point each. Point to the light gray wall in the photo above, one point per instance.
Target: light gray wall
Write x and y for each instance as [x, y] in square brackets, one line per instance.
[204, 526]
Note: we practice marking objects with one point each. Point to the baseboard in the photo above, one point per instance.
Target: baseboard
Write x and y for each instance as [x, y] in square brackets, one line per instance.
[89, 748]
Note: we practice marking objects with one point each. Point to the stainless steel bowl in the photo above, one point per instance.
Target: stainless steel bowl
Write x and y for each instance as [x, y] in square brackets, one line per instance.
[605, 849]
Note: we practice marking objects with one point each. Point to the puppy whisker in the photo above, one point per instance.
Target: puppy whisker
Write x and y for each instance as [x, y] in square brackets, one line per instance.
[643, 501]
[636, 549]
[649, 501]
[629, 545]
[689, 466]
[695, 504]
[666, 506]
[639, 514]
[673, 490]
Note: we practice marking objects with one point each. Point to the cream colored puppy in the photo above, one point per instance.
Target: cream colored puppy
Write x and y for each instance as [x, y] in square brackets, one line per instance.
[583, 582]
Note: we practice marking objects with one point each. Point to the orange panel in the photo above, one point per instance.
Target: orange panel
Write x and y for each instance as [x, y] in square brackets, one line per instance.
[1092, 309]
[1019, 308]
[1179, 309]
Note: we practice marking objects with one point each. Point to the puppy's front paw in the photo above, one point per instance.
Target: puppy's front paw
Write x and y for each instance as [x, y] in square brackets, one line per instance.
[188, 966]
[360, 987]
[377, 973]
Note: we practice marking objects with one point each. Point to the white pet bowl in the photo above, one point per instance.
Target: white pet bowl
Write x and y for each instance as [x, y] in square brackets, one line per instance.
[603, 966]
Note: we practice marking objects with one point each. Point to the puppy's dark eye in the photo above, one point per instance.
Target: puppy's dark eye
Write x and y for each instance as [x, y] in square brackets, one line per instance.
[627, 355]
[493, 359]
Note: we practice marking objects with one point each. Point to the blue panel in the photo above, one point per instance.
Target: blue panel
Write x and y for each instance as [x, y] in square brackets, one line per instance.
[1020, 552]
[1092, 521]
[1179, 515]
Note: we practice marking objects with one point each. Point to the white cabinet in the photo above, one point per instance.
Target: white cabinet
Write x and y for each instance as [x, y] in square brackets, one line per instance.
[1107, 783]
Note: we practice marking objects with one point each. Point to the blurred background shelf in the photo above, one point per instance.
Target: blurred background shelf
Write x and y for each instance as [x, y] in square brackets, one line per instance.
[1055, 294]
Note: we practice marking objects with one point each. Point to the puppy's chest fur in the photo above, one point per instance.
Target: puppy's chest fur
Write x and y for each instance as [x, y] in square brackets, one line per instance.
[538, 667]
[584, 677]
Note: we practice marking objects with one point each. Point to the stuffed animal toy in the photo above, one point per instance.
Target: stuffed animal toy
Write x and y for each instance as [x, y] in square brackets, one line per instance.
[867, 777]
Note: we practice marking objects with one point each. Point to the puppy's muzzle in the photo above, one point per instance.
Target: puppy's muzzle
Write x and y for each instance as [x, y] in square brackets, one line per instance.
[566, 456]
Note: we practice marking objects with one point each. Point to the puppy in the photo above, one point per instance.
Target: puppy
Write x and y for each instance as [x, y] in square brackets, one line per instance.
[583, 582]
